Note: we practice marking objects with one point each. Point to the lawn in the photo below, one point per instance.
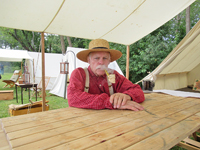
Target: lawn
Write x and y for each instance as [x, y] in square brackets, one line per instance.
[55, 102]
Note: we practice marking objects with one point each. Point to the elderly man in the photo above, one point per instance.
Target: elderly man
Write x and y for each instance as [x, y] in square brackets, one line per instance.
[101, 93]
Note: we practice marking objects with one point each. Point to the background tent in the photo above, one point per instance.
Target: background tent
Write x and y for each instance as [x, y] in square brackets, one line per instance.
[182, 66]
[14, 55]
[52, 69]
[59, 85]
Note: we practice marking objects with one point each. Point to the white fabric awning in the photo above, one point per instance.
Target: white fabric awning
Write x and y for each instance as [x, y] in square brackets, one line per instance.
[13, 55]
[118, 21]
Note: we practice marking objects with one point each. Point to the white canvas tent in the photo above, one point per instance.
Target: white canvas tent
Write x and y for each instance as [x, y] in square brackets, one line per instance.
[118, 21]
[14, 55]
[59, 85]
[52, 69]
[182, 66]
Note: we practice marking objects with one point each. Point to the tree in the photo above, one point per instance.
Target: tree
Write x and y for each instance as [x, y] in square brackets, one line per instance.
[69, 41]
[187, 19]
[62, 44]
[20, 39]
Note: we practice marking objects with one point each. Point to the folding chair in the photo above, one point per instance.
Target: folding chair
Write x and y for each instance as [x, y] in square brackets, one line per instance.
[39, 86]
[13, 79]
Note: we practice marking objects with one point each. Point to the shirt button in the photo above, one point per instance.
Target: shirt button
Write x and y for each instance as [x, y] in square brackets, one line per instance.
[99, 84]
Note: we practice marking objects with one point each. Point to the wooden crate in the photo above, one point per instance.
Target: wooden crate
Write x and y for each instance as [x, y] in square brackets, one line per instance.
[6, 95]
[33, 109]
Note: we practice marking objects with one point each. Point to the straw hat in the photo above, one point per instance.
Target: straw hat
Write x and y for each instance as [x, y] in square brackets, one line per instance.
[99, 45]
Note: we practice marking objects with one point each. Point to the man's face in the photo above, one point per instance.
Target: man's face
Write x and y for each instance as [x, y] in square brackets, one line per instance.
[98, 61]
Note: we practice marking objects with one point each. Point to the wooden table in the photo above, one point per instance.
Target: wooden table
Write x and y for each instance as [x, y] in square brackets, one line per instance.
[165, 121]
[30, 85]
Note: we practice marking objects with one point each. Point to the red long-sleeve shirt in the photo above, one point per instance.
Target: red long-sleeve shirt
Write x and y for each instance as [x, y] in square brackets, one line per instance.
[98, 95]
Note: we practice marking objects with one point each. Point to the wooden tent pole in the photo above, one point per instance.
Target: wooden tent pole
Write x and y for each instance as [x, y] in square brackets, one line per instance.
[33, 72]
[43, 72]
[127, 61]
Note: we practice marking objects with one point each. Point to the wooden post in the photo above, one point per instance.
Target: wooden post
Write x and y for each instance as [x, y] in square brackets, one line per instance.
[43, 72]
[33, 72]
[127, 61]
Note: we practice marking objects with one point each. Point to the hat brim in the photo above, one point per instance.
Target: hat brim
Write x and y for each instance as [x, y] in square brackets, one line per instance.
[114, 54]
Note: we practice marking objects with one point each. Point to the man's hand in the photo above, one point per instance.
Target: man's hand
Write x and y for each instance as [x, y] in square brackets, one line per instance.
[132, 106]
[119, 99]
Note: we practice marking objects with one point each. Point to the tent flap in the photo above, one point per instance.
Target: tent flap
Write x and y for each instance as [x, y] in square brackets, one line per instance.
[13, 55]
[182, 66]
[123, 22]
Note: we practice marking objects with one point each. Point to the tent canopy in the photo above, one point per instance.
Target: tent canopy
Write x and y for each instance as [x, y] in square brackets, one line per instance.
[117, 21]
[182, 66]
[13, 55]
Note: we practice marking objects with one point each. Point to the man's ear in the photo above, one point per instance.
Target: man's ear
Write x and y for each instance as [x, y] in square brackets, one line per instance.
[88, 59]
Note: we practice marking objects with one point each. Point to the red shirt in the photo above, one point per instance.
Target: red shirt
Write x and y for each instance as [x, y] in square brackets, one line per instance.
[98, 95]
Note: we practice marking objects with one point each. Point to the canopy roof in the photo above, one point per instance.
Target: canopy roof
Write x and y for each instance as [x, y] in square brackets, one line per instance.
[13, 55]
[117, 21]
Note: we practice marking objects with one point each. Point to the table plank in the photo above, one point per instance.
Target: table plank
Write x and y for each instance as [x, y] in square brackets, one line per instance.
[118, 140]
[170, 136]
[71, 123]
[94, 120]
[47, 127]
[17, 120]
[4, 145]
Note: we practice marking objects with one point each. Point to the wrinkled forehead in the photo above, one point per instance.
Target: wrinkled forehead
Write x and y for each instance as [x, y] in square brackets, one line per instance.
[104, 54]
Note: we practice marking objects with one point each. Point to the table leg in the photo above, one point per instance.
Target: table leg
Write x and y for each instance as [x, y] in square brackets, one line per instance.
[36, 93]
[29, 94]
[22, 95]
[16, 93]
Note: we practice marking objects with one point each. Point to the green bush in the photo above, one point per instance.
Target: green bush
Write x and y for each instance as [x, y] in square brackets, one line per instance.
[11, 69]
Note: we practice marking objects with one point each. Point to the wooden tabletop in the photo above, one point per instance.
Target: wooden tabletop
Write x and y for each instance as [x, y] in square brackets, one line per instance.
[28, 85]
[165, 121]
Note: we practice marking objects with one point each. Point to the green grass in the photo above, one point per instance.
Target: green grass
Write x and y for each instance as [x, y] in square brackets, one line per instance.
[55, 102]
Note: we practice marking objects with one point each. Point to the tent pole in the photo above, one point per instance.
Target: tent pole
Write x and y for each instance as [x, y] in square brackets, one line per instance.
[43, 73]
[33, 72]
[127, 61]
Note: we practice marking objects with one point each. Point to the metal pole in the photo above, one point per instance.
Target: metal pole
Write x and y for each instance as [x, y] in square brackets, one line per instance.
[65, 86]
[65, 89]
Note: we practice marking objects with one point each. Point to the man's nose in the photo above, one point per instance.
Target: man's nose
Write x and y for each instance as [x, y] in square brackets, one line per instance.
[101, 61]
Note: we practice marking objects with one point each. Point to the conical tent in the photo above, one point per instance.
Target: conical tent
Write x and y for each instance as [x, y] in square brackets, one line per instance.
[182, 66]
